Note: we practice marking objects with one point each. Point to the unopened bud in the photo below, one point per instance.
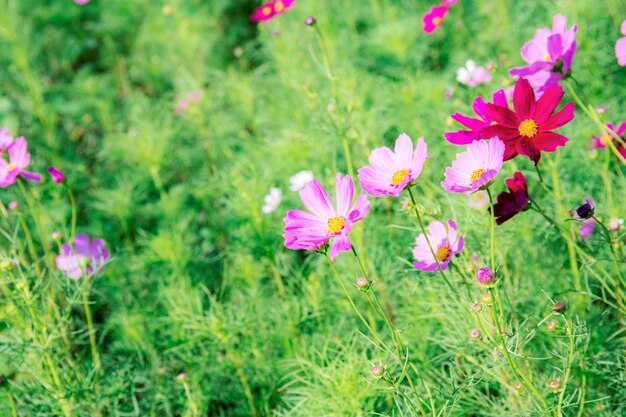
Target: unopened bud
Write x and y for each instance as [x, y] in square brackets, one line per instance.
[484, 275]
[56, 235]
[13, 205]
[518, 385]
[559, 307]
[377, 371]
[551, 325]
[554, 385]
[361, 283]
[474, 333]
[310, 21]
[486, 298]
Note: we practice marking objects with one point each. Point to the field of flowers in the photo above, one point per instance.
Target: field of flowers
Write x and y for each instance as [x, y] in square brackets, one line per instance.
[312, 208]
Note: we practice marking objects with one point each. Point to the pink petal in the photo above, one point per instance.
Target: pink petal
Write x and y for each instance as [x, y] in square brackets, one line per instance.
[524, 100]
[316, 199]
[563, 116]
[620, 51]
[547, 103]
[345, 193]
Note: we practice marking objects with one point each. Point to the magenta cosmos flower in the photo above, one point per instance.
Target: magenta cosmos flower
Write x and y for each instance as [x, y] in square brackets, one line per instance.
[434, 18]
[311, 231]
[83, 258]
[445, 244]
[270, 9]
[19, 159]
[528, 129]
[390, 172]
[548, 55]
[510, 203]
[620, 47]
[465, 137]
[601, 142]
[475, 168]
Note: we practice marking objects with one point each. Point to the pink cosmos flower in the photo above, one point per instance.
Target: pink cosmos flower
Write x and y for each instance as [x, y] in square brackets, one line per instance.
[448, 3]
[434, 18]
[528, 130]
[57, 176]
[81, 2]
[308, 231]
[270, 9]
[83, 258]
[601, 142]
[620, 46]
[472, 75]
[476, 168]
[390, 172]
[465, 137]
[6, 140]
[548, 55]
[19, 159]
[445, 244]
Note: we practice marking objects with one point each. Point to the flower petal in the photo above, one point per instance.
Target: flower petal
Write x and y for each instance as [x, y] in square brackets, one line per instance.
[524, 100]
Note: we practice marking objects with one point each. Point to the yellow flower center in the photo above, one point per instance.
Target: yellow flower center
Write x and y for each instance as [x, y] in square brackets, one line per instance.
[335, 225]
[11, 167]
[437, 21]
[279, 7]
[547, 57]
[399, 176]
[266, 11]
[528, 128]
[443, 252]
[605, 140]
[476, 174]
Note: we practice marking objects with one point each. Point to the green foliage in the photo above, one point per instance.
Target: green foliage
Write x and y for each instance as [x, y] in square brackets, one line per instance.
[200, 282]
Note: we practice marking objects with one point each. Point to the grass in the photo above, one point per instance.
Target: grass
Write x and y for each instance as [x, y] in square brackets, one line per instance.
[200, 282]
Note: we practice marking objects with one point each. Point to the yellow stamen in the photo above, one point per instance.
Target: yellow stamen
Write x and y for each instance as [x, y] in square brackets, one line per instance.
[528, 128]
[279, 7]
[266, 11]
[493, 122]
[399, 176]
[476, 174]
[547, 57]
[605, 140]
[11, 167]
[443, 252]
[437, 21]
[335, 225]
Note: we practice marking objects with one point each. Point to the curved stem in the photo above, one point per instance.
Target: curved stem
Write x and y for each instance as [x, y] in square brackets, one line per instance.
[570, 359]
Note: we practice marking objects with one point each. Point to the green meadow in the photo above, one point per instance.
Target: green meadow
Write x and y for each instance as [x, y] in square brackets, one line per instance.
[201, 310]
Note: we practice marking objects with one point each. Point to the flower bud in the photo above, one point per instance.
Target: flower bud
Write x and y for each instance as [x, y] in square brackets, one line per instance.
[518, 385]
[554, 385]
[56, 235]
[361, 283]
[486, 298]
[484, 275]
[310, 21]
[474, 333]
[181, 377]
[559, 307]
[551, 325]
[614, 224]
[377, 371]
[13, 205]
[585, 210]
[57, 176]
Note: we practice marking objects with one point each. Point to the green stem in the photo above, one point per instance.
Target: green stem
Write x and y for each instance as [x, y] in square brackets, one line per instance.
[70, 195]
[570, 360]
[92, 336]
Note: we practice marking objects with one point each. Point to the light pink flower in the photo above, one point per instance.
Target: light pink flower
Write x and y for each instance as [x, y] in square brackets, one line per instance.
[6, 140]
[83, 257]
[549, 55]
[308, 231]
[620, 47]
[434, 18]
[472, 75]
[81, 2]
[475, 168]
[19, 159]
[445, 244]
[390, 172]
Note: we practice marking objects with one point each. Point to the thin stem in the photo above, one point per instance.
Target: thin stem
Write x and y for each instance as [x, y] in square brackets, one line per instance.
[97, 365]
[570, 359]
[70, 195]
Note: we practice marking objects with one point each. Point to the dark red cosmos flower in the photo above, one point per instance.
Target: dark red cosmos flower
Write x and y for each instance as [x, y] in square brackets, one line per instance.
[508, 204]
[465, 137]
[528, 129]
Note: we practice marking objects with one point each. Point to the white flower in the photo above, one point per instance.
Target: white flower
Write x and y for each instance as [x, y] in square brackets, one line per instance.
[272, 200]
[472, 75]
[478, 199]
[301, 179]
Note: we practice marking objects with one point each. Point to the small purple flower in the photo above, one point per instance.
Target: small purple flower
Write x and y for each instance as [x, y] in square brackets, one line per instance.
[484, 275]
[19, 159]
[57, 176]
[587, 228]
[83, 259]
